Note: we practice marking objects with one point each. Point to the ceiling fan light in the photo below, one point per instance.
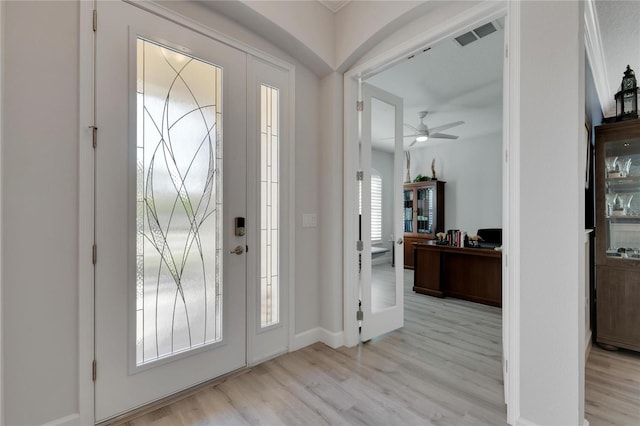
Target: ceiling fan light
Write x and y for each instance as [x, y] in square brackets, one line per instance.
[422, 138]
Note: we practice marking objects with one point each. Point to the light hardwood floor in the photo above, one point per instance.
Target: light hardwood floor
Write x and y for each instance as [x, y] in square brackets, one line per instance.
[442, 368]
[612, 388]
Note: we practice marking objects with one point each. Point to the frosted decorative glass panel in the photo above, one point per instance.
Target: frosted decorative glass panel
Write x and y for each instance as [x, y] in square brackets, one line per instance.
[179, 203]
[269, 203]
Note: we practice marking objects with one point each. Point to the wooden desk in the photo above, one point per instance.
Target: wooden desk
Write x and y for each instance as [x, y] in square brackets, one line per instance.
[473, 274]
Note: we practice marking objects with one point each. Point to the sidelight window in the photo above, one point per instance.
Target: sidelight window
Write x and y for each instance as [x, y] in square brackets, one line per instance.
[269, 206]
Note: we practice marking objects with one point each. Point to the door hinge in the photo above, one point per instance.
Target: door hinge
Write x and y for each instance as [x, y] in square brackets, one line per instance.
[506, 365]
[506, 155]
[359, 313]
[506, 51]
[94, 370]
[94, 136]
[359, 106]
[95, 20]
[94, 254]
[359, 245]
[360, 175]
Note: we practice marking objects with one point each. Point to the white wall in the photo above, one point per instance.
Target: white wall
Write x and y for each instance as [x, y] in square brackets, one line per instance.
[309, 22]
[307, 180]
[281, 22]
[551, 208]
[330, 182]
[472, 170]
[39, 217]
[1, 212]
[359, 23]
[430, 16]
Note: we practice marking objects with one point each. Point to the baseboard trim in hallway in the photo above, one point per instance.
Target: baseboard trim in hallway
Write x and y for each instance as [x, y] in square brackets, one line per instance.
[318, 334]
[70, 420]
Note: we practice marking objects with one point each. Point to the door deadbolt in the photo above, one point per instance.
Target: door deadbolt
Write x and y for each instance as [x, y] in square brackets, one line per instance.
[238, 250]
[239, 226]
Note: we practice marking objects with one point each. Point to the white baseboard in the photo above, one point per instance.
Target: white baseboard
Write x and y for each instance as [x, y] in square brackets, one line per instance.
[332, 339]
[306, 338]
[318, 334]
[70, 420]
[524, 422]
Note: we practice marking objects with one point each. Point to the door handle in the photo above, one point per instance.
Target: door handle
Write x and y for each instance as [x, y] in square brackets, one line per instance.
[238, 250]
[399, 242]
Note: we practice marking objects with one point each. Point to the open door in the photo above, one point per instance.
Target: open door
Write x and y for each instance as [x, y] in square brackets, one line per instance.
[382, 256]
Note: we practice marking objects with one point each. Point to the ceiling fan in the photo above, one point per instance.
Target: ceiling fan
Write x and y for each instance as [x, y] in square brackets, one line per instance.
[422, 132]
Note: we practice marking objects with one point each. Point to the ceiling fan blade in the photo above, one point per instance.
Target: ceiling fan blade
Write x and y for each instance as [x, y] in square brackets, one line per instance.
[393, 137]
[411, 127]
[445, 126]
[443, 136]
[412, 143]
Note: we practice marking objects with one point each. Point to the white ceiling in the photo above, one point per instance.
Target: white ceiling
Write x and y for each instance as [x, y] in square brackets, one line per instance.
[465, 83]
[451, 82]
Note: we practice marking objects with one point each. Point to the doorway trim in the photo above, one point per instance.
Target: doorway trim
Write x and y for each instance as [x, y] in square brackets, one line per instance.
[86, 210]
[1, 239]
[454, 26]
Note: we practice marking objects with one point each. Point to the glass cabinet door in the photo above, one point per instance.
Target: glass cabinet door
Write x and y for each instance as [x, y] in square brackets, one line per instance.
[408, 210]
[622, 198]
[424, 207]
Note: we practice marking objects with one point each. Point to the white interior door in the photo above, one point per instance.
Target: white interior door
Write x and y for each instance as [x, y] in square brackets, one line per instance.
[170, 179]
[381, 213]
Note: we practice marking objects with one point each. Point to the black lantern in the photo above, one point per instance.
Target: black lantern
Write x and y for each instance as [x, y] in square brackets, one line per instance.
[627, 97]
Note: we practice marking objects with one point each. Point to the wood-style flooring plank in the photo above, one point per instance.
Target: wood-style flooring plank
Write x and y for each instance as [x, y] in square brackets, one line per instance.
[442, 368]
[612, 388]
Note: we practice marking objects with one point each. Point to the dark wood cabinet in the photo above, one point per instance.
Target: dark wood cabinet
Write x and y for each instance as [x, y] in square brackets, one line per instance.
[423, 211]
[618, 234]
[618, 307]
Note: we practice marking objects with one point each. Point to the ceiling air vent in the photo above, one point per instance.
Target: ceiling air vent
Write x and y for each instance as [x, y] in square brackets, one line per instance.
[466, 38]
[485, 30]
[471, 36]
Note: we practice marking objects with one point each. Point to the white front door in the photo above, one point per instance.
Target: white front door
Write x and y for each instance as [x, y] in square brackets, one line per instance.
[382, 283]
[170, 179]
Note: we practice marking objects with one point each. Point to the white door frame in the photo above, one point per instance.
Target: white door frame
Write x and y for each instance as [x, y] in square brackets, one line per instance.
[457, 25]
[1, 239]
[86, 215]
